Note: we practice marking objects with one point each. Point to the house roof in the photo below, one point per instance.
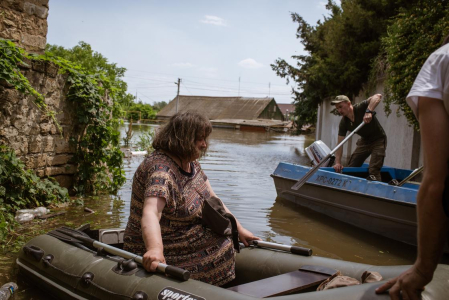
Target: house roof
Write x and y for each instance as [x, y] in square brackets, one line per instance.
[284, 107]
[218, 107]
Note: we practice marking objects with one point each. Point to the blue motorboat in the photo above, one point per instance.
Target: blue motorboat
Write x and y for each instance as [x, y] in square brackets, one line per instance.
[379, 207]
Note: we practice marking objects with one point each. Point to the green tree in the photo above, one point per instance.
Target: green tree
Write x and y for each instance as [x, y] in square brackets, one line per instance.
[157, 106]
[94, 63]
[415, 33]
[146, 111]
[340, 52]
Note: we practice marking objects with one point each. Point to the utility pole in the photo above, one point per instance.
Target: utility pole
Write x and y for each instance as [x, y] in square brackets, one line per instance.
[177, 96]
[269, 88]
[239, 87]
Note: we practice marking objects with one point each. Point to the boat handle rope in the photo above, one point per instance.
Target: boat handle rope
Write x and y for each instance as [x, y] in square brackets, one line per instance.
[87, 279]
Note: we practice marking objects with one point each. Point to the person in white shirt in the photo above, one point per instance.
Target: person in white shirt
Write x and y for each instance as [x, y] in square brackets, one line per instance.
[429, 99]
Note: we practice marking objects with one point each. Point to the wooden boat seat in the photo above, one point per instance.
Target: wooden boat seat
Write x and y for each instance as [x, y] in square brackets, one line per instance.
[285, 284]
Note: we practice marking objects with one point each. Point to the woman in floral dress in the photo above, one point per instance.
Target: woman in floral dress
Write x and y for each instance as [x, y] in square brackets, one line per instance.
[168, 191]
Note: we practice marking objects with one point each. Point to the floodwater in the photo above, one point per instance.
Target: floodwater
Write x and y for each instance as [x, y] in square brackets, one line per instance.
[238, 166]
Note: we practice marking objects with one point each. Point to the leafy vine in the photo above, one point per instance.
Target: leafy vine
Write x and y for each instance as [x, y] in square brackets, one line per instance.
[20, 188]
[11, 57]
[413, 36]
[97, 156]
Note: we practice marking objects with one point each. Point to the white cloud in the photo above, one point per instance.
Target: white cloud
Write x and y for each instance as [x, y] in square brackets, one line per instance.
[183, 65]
[250, 63]
[214, 20]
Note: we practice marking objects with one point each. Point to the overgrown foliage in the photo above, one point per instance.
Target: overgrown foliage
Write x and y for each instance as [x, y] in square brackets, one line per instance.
[20, 188]
[98, 156]
[340, 52]
[146, 112]
[145, 142]
[11, 57]
[157, 106]
[93, 62]
[415, 33]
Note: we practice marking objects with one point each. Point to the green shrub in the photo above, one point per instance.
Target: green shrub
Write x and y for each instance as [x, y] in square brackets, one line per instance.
[20, 188]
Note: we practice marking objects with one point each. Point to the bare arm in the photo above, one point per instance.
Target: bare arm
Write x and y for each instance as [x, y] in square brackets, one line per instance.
[244, 235]
[373, 102]
[432, 223]
[338, 154]
[151, 232]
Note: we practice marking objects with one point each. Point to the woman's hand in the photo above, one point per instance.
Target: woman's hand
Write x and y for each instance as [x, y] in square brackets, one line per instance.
[152, 258]
[246, 236]
[409, 285]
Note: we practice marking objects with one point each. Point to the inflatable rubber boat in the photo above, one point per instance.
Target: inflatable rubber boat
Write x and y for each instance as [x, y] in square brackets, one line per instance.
[83, 266]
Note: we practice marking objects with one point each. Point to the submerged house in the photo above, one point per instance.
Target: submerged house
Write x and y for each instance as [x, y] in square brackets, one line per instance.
[225, 108]
[233, 112]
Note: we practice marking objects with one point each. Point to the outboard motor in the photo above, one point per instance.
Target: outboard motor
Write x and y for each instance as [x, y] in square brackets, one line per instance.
[317, 152]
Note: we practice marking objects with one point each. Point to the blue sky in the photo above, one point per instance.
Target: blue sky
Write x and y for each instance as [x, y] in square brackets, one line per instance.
[208, 44]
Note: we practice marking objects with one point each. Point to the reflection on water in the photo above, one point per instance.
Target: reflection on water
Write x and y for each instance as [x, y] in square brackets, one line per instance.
[239, 165]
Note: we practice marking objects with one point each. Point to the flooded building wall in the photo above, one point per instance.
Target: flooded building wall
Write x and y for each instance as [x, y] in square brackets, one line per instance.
[403, 142]
[272, 111]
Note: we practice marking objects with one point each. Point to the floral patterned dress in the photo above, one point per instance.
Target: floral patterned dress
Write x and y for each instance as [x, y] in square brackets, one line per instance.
[187, 244]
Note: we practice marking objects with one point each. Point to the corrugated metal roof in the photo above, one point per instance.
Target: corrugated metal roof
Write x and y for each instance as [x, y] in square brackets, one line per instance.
[218, 107]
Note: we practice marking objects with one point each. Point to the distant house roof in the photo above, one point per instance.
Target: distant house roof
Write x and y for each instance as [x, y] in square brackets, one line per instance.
[284, 107]
[218, 107]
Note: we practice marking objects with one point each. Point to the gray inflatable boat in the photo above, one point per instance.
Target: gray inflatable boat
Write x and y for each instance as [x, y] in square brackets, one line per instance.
[70, 268]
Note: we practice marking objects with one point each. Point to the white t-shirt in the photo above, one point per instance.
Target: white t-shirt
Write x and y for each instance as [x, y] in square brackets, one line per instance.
[433, 80]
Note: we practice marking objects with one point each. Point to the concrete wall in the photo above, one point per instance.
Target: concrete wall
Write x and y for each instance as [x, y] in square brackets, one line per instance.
[403, 146]
[25, 23]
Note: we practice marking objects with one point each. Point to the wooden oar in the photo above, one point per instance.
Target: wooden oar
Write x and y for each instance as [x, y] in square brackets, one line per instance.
[80, 237]
[292, 249]
[412, 174]
[309, 174]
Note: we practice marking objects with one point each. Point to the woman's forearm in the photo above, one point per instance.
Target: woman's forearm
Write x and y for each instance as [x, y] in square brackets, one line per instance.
[151, 232]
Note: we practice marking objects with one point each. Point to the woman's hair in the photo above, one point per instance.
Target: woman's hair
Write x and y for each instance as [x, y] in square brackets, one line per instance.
[179, 135]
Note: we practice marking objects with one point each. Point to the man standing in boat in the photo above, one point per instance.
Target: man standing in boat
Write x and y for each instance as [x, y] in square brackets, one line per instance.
[373, 140]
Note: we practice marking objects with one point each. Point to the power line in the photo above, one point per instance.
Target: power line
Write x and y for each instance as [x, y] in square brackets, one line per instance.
[186, 88]
[252, 82]
[233, 91]
[205, 85]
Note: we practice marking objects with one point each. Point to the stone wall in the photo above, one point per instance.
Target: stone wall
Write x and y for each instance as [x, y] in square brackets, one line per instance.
[25, 23]
[24, 127]
[32, 134]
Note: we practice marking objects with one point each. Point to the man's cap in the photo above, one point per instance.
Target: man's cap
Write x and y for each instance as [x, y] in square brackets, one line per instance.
[339, 99]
